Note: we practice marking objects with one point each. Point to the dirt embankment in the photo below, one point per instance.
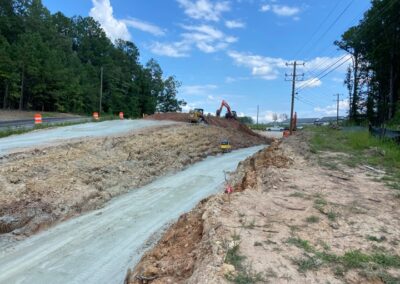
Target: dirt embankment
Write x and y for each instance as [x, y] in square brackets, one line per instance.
[289, 221]
[41, 187]
[210, 120]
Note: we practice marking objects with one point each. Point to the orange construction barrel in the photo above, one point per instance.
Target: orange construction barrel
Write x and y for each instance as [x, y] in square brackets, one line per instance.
[38, 118]
[96, 115]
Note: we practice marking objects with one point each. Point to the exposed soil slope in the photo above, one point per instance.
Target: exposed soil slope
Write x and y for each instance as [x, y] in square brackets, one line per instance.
[40, 187]
[290, 221]
[211, 120]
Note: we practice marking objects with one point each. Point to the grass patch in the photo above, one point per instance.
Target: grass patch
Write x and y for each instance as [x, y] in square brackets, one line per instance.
[244, 273]
[298, 195]
[375, 239]
[361, 149]
[332, 216]
[18, 131]
[354, 259]
[312, 219]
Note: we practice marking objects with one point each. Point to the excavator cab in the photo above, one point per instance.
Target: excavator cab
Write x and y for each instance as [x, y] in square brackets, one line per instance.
[229, 113]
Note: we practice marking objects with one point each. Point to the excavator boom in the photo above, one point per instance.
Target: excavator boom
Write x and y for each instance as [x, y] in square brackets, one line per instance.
[229, 112]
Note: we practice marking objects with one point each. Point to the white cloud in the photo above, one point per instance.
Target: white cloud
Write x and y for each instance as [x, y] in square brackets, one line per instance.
[262, 67]
[234, 24]
[269, 68]
[102, 12]
[206, 38]
[204, 9]
[176, 49]
[310, 83]
[281, 10]
[195, 90]
[332, 109]
[144, 26]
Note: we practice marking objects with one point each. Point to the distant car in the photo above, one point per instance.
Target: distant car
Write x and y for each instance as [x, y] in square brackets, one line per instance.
[275, 128]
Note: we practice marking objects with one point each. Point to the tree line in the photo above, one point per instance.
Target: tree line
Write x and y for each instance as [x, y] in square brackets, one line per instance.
[373, 79]
[49, 62]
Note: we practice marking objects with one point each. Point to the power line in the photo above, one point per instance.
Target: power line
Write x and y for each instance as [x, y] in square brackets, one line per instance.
[322, 75]
[318, 29]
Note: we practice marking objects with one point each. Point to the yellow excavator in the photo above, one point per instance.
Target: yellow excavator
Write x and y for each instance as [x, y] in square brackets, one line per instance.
[197, 116]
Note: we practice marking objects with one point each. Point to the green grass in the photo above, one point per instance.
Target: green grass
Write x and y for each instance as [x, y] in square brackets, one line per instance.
[312, 219]
[244, 272]
[361, 149]
[354, 259]
[332, 216]
[376, 239]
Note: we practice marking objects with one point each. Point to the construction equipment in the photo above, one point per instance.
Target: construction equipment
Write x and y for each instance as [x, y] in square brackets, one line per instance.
[225, 146]
[229, 113]
[197, 116]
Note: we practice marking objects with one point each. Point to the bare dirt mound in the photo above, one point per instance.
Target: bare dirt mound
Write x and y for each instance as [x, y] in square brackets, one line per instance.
[40, 187]
[211, 120]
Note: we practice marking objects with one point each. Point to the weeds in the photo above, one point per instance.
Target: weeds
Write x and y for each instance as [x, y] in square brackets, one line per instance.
[375, 239]
[244, 273]
[354, 259]
[332, 216]
[361, 148]
[312, 219]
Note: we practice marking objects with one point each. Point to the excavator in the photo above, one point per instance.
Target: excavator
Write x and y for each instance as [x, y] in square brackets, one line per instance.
[229, 113]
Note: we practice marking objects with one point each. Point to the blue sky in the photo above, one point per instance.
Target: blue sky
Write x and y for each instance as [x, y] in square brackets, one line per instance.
[236, 49]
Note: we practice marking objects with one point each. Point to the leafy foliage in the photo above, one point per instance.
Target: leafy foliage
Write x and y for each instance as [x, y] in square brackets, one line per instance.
[373, 80]
[52, 63]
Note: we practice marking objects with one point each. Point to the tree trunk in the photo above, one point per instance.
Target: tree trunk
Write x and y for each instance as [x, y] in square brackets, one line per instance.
[5, 96]
[21, 99]
[391, 88]
[354, 103]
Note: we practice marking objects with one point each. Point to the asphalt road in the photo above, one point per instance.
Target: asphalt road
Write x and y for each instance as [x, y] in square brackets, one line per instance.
[51, 136]
[30, 123]
[100, 246]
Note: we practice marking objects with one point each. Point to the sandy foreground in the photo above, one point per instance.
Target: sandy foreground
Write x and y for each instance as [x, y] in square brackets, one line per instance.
[41, 187]
[289, 221]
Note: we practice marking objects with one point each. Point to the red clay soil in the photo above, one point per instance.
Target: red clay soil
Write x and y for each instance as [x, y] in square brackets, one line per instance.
[211, 120]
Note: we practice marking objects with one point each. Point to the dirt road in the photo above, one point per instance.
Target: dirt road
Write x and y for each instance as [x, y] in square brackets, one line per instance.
[99, 247]
[48, 137]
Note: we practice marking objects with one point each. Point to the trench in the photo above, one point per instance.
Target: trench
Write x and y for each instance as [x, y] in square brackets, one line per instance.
[99, 247]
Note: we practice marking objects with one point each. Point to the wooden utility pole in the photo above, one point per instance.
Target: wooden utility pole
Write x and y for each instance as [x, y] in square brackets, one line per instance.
[258, 111]
[337, 112]
[21, 99]
[101, 89]
[294, 80]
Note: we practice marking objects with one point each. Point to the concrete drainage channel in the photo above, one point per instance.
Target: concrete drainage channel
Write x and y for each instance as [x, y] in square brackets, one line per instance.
[100, 246]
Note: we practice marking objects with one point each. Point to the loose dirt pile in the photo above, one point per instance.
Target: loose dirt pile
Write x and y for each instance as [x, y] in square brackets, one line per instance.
[292, 221]
[210, 120]
[40, 187]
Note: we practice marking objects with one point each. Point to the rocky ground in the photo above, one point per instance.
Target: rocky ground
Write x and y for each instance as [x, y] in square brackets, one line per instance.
[41, 187]
[290, 220]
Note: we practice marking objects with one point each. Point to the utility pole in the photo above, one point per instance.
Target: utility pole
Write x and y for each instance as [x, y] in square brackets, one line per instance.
[101, 88]
[337, 113]
[294, 80]
[258, 111]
